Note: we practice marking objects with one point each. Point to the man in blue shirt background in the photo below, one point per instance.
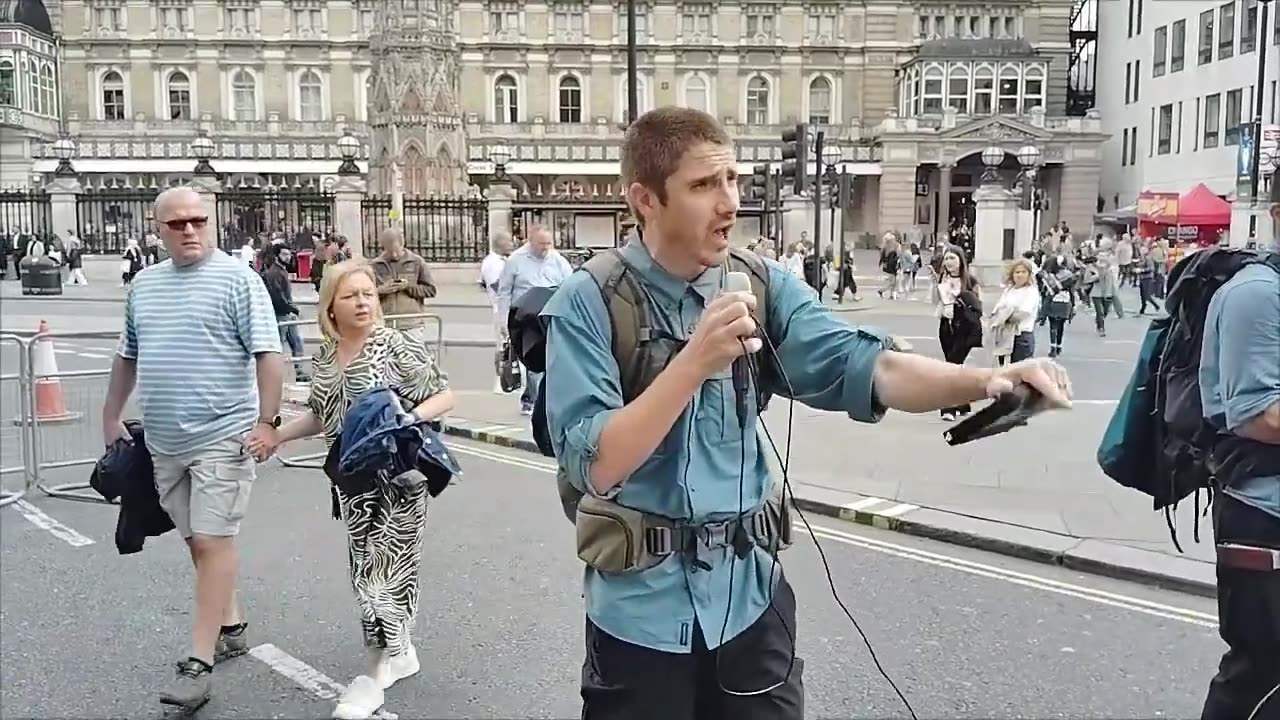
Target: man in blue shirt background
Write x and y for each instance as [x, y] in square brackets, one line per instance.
[691, 638]
[1240, 395]
[535, 264]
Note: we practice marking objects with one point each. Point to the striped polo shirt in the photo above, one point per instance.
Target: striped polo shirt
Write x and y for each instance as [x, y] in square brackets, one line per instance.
[193, 332]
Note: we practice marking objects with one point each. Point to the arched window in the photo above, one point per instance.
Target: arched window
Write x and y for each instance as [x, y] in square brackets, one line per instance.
[984, 83]
[696, 93]
[758, 101]
[35, 99]
[179, 96]
[8, 92]
[368, 96]
[49, 86]
[570, 99]
[820, 101]
[506, 100]
[1032, 88]
[310, 97]
[413, 175]
[1007, 91]
[931, 102]
[642, 96]
[958, 90]
[913, 91]
[112, 96]
[244, 95]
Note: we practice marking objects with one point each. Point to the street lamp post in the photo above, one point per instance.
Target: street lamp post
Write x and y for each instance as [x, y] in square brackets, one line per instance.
[500, 156]
[1260, 39]
[348, 148]
[1029, 158]
[202, 148]
[633, 92]
[65, 148]
[992, 156]
[831, 157]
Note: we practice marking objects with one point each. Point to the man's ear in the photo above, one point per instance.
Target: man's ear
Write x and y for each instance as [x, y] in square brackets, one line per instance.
[642, 200]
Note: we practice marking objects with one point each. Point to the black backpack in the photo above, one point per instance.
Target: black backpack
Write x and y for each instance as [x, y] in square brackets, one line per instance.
[1158, 441]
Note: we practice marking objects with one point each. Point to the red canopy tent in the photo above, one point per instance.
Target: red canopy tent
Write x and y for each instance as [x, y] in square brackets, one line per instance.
[1203, 208]
[1198, 215]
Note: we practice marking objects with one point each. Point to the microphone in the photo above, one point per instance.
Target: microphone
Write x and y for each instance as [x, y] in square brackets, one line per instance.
[740, 282]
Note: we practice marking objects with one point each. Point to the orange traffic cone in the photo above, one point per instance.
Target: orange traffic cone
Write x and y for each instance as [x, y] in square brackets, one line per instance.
[50, 406]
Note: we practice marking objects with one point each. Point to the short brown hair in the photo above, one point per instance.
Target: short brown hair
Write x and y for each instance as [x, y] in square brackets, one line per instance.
[657, 140]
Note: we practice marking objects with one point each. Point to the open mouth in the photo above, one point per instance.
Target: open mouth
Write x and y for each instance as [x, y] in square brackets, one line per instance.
[722, 233]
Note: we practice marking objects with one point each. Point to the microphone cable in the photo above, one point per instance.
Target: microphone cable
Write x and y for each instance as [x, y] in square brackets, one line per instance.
[785, 463]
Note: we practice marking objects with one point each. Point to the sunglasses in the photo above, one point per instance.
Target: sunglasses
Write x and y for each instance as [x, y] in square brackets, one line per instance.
[181, 223]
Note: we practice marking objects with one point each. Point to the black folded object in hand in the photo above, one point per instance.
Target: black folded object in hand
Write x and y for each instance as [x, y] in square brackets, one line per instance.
[1010, 410]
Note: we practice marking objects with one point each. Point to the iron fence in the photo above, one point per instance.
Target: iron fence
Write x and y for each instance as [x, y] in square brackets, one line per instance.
[298, 215]
[26, 211]
[440, 229]
[107, 219]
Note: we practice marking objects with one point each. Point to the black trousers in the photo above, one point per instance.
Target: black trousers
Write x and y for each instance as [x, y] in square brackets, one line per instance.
[1248, 619]
[956, 350]
[621, 681]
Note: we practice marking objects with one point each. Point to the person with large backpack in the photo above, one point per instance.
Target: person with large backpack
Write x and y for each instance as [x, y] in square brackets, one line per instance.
[1202, 413]
[657, 368]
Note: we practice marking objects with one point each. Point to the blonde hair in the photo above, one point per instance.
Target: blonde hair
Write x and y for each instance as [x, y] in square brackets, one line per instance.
[334, 276]
[1014, 265]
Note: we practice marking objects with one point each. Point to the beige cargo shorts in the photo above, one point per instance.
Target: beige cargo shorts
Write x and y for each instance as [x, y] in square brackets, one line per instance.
[206, 491]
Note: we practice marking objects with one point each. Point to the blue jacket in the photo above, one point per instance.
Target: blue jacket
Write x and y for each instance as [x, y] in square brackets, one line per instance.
[125, 471]
[380, 438]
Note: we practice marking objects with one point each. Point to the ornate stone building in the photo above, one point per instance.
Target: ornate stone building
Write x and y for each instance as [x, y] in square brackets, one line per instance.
[30, 99]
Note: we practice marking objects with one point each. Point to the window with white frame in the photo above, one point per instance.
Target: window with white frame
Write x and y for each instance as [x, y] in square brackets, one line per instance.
[308, 21]
[1212, 120]
[958, 90]
[364, 17]
[984, 83]
[570, 104]
[8, 83]
[1164, 130]
[173, 16]
[244, 95]
[759, 22]
[569, 23]
[108, 16]
[1007, 91]
[504, 20]
[932, 94]
[178, 96]
[820, 101]
[757, 101]
[642, 21]
[35, 99]
[241, 17]
[506, 99]
[1227, 30]
[696, 93]
[642, 96]
[695, 21]
[310, 97]
[113, 96]
[49, 90]
[820, 27]
[1032, 88]
[1232, 115]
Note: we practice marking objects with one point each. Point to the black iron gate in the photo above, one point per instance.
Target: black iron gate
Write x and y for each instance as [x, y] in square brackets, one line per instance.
[107, 219]
[27, 211]
[299, 216]
[440, 229]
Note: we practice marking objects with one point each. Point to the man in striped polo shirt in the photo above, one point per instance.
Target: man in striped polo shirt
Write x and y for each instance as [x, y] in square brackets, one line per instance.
[201, 345]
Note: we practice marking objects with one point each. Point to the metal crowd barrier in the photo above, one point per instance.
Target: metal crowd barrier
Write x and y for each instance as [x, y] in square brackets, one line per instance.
[315, 460]
[15, 396]
[73, 439]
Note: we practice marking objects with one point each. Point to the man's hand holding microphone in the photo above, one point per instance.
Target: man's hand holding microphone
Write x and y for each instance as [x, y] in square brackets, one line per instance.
[725, 332]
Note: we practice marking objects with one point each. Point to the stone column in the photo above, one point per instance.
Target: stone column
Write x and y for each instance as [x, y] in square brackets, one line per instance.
[502, 196]
[944, 197]
[994, 213]
[897, 197]
[62, 204]
[208, 187]
[348, 192]
[1078, 194]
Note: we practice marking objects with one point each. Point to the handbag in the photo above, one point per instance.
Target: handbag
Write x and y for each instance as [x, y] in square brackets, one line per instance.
[507, 367]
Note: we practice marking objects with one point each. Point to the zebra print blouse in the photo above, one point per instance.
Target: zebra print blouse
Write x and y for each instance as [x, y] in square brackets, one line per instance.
[389, 358]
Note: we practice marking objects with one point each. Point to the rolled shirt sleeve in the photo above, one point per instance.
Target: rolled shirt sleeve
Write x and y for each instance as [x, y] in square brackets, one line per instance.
[582, 383]
[255, 317]
[825, 363]
[1248, 348]
[128, 345]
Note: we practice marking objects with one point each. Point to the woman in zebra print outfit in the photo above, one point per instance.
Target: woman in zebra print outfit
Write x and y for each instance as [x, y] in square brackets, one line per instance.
[384, 528]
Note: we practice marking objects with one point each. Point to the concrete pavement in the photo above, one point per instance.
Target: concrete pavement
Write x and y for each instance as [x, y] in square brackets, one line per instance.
[88, 633]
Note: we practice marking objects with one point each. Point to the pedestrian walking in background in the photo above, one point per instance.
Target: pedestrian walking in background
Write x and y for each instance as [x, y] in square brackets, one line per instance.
[889, 250]
[1105, 282]
[490, 277]
[1059, 276]
[959, 316]
[130, 262]
[386, 524]
[201, 346]
[1144, 272]
[1013, 317]
[404, 281]
[276, 277]
[535, 264]
[75, 259]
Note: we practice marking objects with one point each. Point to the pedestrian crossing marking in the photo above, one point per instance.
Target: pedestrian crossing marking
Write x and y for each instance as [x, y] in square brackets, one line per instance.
[897, 510]
[867, 504]
[863, 504]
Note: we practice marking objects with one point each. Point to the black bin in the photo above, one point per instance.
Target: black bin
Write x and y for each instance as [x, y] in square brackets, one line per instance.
[41, 276]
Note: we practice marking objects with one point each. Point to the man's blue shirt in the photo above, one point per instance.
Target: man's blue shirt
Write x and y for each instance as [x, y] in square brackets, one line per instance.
[1240, 365]
[693, 476]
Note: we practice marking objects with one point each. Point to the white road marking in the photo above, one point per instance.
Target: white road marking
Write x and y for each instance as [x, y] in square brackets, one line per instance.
[94, 356]
[54, 528]
[864, 503]
[1102, 597]
[1119, 342]
[307, 677]
[489, 428]
[897, 510]
[507, 430]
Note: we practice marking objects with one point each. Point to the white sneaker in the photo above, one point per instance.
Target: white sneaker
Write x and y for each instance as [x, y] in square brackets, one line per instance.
[362, 699]
[395, 668]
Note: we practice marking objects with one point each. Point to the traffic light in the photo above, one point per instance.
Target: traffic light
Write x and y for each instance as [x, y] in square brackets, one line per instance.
[795, 156]
[759, 186]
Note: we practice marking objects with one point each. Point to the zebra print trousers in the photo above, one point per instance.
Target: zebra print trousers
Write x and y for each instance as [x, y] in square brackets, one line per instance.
[385, 530]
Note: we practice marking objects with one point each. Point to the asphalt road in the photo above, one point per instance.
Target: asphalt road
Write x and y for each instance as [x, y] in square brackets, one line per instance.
[88, 633]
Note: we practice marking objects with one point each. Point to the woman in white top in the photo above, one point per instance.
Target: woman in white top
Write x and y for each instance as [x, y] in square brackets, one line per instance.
[1013, 317]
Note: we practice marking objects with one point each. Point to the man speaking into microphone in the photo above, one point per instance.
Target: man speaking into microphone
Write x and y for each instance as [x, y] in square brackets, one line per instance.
[674, 522]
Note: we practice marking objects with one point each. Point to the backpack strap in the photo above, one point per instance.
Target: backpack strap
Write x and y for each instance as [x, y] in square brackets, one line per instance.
[628, 308]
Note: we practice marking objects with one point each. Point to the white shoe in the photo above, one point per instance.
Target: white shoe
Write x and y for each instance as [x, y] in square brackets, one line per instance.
[395, 668]
[362, 699]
